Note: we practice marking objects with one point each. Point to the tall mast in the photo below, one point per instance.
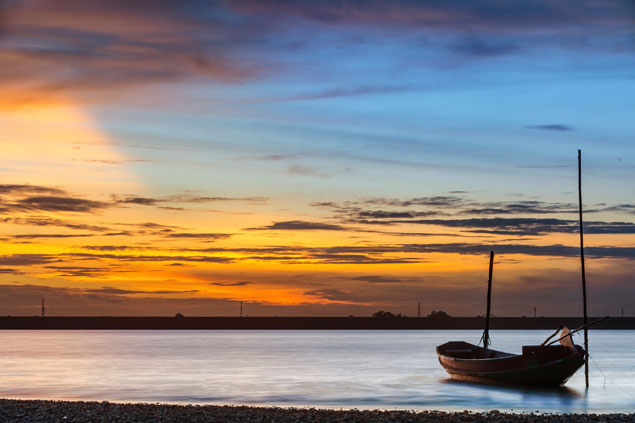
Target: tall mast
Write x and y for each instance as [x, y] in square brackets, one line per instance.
[486, 341]
[42, 306]
[586, 330]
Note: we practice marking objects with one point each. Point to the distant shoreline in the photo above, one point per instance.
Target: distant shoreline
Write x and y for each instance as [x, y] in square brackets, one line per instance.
[28, 411]
[302, 323]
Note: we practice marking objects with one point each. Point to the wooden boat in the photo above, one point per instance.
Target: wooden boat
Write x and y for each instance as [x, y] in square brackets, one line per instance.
[538, 365]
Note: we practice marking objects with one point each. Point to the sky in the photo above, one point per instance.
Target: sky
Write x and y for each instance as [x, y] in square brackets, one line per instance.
[315, 158]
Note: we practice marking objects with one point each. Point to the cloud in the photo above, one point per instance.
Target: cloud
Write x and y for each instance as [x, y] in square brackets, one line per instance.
[183, 198]
[108, 247]
[555, 250]
[114, 162]
[48, 199]
[482, 47]
[343, 258]
[528, 226]
[279, 157]
[9, 271]
[382, 214]
[464, 15]
[335, 92]
[453, 205]
[20, 198]
[151, 258]
[117, 291]
[152, 225]
[203, 236]
[144, 201]
[29, 189]
[189, 198]
[520, 207]
[402, 253]
[243, 283]
[27, 259]
[37, 236]
[559, 127]
[330, 294]
[55, 204]
[376, 279]
[127, 44]
[79, 271]
[48, 221]
[299, 225]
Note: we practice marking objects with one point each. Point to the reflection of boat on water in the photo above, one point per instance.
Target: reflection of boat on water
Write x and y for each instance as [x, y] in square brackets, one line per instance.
[538, 365]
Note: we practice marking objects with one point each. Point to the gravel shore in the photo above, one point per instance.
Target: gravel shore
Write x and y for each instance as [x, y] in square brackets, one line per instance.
[27, 411]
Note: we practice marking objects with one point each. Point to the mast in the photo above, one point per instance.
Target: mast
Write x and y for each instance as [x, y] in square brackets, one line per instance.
[586, 331]
[486, 341]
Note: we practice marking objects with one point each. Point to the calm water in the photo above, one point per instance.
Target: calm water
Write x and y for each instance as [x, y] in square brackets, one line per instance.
[364, 369]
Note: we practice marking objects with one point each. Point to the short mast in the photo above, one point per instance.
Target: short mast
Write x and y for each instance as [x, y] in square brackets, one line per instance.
[586, 331]
[486, 341]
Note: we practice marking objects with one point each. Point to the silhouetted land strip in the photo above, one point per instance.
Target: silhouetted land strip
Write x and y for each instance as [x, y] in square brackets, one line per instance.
[66, 411]
[331, 323]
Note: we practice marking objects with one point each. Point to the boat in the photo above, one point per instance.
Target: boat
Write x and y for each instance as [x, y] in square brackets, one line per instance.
[538, 365]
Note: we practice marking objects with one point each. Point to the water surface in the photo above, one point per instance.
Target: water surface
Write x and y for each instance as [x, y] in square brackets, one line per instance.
[364, 369]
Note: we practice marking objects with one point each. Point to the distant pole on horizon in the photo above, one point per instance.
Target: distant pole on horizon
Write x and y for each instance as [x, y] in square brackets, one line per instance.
[534, 312]
[43, 307]
[622, 312]
[241, 309]
[586, 329]
[419, 310]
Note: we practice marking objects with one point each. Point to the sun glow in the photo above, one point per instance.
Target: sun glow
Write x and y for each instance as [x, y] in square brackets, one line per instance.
[59, 144]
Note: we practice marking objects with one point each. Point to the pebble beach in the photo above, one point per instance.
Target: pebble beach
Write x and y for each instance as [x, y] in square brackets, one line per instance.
[37, 411]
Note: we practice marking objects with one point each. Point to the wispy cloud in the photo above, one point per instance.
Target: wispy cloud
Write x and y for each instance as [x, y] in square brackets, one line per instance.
[200, 236]
[242, 283]
[29, 189]
[559, 127]
[117, 291]
[299, 225]
[377, 279]
[27, 259]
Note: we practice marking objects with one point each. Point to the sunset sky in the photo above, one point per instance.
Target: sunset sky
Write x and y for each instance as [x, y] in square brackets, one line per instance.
[315, 158]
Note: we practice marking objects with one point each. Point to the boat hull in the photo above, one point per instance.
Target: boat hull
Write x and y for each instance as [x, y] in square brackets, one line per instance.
[537, 366]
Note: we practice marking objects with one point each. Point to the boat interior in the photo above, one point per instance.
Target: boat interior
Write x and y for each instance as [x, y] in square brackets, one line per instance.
[459, 349]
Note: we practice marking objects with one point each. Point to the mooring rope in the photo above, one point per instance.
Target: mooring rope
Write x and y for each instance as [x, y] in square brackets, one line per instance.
[627, 392]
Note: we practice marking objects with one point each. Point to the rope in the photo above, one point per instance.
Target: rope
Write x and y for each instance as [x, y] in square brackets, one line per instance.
[482, 340]
[628, 393]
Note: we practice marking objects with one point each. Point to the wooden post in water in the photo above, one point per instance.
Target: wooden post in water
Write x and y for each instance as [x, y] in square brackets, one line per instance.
[586, 331]
[486, 341]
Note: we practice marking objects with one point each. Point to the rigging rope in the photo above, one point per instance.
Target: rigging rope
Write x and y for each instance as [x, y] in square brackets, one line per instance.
[628, 393]
[482, 340]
